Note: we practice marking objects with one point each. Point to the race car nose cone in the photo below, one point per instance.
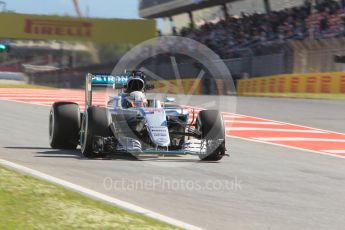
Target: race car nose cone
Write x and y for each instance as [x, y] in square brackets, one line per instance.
[160, 136]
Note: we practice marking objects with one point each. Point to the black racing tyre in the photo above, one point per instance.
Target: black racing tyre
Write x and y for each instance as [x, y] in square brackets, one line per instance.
[211, 126]
[64, 125]
[96, 122]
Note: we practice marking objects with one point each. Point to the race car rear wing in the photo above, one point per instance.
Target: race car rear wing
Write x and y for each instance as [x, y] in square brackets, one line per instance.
[114, 81]
[103, 80]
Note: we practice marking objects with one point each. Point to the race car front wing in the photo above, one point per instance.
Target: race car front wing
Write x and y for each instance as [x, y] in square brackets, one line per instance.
[133, 146]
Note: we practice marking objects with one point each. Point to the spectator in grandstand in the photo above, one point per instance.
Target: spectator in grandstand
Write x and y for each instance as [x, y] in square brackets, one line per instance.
[329, 6]
[308, 6]
[323, 23]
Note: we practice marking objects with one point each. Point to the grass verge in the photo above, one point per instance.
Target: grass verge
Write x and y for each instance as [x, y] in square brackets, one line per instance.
[29, 203]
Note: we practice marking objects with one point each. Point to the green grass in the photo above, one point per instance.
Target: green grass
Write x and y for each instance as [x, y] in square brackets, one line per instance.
[29, 203]
[24, 86]
[303, 95]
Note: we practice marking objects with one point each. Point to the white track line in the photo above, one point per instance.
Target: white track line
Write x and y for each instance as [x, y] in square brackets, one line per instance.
[231, 116]
[61, 94]
[288, 146]
[52, 101]
[225, 117]
[252, 122]
[297, 139]
[273, 130]
[49, 98]
[97, 195]
[335, 151]
[297, 125]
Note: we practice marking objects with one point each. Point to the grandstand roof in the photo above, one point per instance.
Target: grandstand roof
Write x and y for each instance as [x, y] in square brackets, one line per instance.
[167, 8]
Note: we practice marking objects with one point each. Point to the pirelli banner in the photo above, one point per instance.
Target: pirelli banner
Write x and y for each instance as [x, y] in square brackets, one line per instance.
[25, 26]
[327, 83]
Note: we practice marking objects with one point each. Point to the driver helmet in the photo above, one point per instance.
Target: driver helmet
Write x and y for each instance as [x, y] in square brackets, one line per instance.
[138, 99]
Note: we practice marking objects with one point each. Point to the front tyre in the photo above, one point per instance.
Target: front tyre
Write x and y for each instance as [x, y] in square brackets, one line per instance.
[64, 125]
[96, 122]
[211, 126]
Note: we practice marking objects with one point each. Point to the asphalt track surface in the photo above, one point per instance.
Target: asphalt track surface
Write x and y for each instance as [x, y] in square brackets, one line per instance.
[274, 187]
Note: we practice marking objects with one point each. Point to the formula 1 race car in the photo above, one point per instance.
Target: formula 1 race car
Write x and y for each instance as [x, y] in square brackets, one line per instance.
[131, 123]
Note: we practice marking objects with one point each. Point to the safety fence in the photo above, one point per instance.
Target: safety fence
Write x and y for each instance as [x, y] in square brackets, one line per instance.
[322, 83]
[316, 56]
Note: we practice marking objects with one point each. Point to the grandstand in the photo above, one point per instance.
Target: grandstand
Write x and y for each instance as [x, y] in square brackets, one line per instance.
[274, 37]
[297, 22]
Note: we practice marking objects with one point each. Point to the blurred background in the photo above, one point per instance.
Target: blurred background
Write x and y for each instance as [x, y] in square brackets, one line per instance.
[56, 43]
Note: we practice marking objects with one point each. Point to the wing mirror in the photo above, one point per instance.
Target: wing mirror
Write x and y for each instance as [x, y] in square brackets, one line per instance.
[149, 86]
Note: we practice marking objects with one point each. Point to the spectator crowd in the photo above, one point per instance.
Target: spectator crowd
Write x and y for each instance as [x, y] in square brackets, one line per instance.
[323, 19]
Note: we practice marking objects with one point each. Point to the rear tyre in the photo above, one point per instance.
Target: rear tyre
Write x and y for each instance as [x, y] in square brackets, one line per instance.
[96, 122]
[64, 125]
[211, 126]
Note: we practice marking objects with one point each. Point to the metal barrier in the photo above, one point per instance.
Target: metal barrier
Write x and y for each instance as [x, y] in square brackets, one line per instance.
[268, 65]
[262, 65]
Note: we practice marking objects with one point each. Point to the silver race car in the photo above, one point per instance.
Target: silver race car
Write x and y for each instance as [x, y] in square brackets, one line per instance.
[131, 123]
